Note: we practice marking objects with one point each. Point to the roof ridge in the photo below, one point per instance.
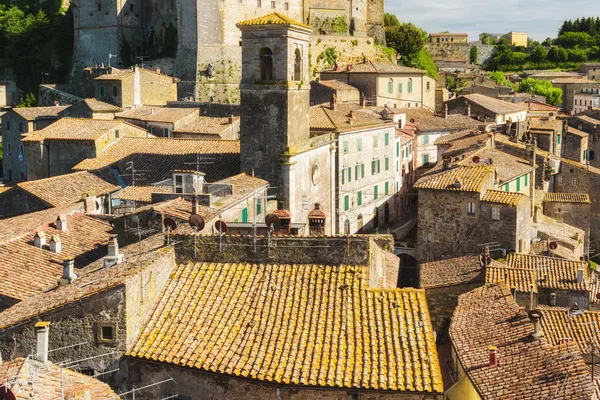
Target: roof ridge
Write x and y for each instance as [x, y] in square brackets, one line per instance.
[50, 178]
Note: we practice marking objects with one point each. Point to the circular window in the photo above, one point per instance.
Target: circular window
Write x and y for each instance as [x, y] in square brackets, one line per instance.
[315, 174]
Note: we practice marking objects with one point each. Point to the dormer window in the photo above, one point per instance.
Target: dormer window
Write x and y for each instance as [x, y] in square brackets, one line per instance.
[188, 182]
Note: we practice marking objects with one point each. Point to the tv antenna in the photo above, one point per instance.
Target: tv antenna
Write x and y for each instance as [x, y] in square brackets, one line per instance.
[200, 160]
[110, 55]
[142, 60]
[196, 222]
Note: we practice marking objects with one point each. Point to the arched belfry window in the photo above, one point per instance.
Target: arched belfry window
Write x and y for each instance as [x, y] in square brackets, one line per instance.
[266, 64]
[298, 65]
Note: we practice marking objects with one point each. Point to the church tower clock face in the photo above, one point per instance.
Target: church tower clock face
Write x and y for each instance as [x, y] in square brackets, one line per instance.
[315, 174]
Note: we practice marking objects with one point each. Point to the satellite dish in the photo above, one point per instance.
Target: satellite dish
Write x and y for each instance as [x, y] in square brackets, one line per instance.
[534, 314]
[221, 226]
[196, 222]
[273, 220]
[412, 120]
[476, 159]
[170, 224]
[547, 179]
[598, 295]
[552, 245]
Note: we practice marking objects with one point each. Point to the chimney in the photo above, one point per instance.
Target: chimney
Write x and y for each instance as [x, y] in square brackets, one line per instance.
[194, 205]
[230, 120]
[157, 70]
[61, 223]
[446, 111]
[493, 356]
[39, 240]
[522, 311]
[42, 330]
[55, 244]
[89, 203]
[580, 275]
[113, 257]
[69, 270]
[56, 103]
[363, 102]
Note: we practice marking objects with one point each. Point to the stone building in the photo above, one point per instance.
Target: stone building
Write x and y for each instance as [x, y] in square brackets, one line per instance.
[487, 109]
[130, 88]
[159, 121]
[591, 70]
[448, 37]
[494, 341]
[577, 145]
[15, 123]
[322, 92]
[91, 109]
[548, 134]
[83, 187]
[387, 84]
[571, 87]
[56, 149]
[476, 211]
[571, 208]
[587, 98]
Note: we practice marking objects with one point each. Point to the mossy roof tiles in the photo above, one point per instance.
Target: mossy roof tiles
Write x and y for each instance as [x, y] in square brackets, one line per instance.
[302, 325]
[472, 179]
[272, 19]
[500, 197]
[567, 198]
[557, 325]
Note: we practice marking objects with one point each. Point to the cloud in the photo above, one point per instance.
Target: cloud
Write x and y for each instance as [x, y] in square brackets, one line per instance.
[539, 18]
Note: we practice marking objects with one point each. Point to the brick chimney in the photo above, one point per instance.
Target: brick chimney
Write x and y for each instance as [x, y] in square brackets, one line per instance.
[114, 256]
[61, 222]
[157, 70]
[42, 330]
[493, 356]
[39, 240]
[55, 244]
[68, 272]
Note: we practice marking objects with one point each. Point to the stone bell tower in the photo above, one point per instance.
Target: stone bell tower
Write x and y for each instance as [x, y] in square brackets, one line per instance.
[275, 97]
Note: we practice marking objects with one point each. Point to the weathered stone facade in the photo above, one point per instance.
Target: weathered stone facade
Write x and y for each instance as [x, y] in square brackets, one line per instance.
[443, 300]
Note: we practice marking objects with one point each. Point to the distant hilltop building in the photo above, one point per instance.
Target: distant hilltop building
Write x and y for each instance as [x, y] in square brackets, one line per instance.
[201, 35]
[448, 37]
[513, 38]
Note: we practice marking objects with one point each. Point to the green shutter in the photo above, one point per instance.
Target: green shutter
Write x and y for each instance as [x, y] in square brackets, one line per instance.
[425, 159]
[386, 139]
[526, 180]
[359, 144]
[373, 167]
[518, 184]
[506, 187]
[245, 215]
[356, 171]
[409, 86]
[346, 203]
[375, 141]
[387, 188]
[397, 149]
[375, 192]
[346, 147]
[558, 139]
[399, 88]
[362, 170]
[426, 139]
[390, 87]
[349, 174]
[359, 198]
[387, 163]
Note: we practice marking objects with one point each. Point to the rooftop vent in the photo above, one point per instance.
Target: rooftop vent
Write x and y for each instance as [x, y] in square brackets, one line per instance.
[42, 330]
[61, 222]
[493, 356]
[39, 240]
[55, 244]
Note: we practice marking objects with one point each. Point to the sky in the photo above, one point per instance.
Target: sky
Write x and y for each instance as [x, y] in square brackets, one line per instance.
[539, 18]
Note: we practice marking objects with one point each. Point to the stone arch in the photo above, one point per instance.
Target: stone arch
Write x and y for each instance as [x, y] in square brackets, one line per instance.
[266, 64]
[298, 65]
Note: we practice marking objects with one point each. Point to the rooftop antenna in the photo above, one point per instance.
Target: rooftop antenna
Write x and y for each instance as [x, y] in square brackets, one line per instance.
[196, 222]
[221, 226]
[142, 60]
[110, 55]
[199, 161]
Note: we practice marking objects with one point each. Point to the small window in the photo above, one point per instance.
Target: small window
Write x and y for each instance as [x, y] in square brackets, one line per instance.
[526, 183]
[99, 6]
[244, 214]
[272, 4]
[518, 184]
[21, 149]
[470, 208]
[258, 207]
[8, 149]
[115, 91]
[428, 85]
[166, 132]
[131, 7]
[117, 134]
[397, 149]
[428, 237]
[506, 187]
[574, 181]
[8, 125]
[558, 139]
[387, 163]
[20, 127]
[101, 91]
[560, 180]
[495, 213]
[387, 188]
[400, 88]
[425, 159]
[359, 198]
[107, 332]
[286, 6]
[426, 140]
[178, 183]
[410, 85]
[375, 192]
[346, 147]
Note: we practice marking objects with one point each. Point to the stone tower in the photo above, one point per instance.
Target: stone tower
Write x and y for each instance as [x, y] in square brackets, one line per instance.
[275, 95]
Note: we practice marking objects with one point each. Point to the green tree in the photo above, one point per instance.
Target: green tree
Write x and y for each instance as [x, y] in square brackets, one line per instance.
[390, 20]
[486, 39]
[543, 88]
[547, 42]
[27, 101]
[557, 54]
[422, 60]
[577, 55]
[473, 55]
[538, 55]
[406, 39]
[573, 39]
[500, 78]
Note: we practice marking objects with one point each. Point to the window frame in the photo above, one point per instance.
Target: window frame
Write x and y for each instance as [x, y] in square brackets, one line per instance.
[471, 208]
[495, 213]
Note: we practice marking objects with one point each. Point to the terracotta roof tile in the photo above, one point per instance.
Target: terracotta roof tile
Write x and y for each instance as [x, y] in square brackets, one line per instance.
[158, 157]
[451, 137]
[157, 114]
[272, 19]
[551, 272]
[588, 119]
[571, 130]
[141, 193]
[100, 106]
[50, 382]
[507, 166]
[453, 271]
[354, 338]
[537, 106]
[494, 105]
[207, 126]
[26, 269]
[520, 279]
[552, 197]
[32, 113]
[116, 74]
[472, 179]
[528, 368]
[499, 197]
[337, 85]
[557, 324]
[346, 116]
[426, 121]
[74, 129]
[67, 189]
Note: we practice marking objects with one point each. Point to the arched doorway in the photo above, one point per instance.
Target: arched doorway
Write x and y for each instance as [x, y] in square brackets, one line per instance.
[297, 65]
[376, 219]
[408, 271]
[266, 64]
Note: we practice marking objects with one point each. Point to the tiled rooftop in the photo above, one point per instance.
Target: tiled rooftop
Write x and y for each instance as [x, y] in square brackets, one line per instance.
[272, 19]
[500, 197]
[27, 270]
[67, 189]
[494, 105]
[453, 271]
[116, 74]
[521, 279]
[527, 368]
[158, 114]
[557, 324]
[381, 67]
[337, 85]
[100, 106]
[472, 179]
[346, 116]
[537, 106]
[32, 113]
[588, 119]
[546, 124]
[90, 281]
[141, 193]
[507, 166]
[353, 337]
[571, 130]
[158, 157]
[74, 129]
[451, 137]
[207, 126]
[426, 121]
[552, 272]
[552, 197]
[49, 382]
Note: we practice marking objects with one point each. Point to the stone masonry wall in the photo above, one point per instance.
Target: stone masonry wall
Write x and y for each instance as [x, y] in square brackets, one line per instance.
[485, 53]
[442, 302]
[189, 384]
[49, 94]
